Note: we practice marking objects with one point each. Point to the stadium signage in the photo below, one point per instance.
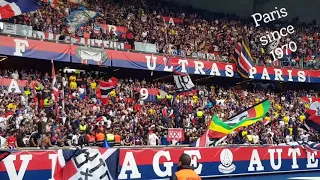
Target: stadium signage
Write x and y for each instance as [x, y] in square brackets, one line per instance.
[23, 30]
[228, 70]
[79, 40]
[121, 59]
[162, 163]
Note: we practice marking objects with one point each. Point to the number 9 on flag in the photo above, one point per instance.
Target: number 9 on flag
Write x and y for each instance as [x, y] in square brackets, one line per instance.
[144, 93]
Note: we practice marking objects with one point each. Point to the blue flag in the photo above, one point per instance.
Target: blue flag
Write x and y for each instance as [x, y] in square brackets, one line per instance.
[75, 164]
[105, 144]
[80, 17]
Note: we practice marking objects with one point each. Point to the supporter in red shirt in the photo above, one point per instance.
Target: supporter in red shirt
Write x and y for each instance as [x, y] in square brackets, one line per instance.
[12, 141]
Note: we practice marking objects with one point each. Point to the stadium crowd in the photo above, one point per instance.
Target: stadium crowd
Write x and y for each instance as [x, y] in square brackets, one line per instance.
[30, 119]
[196, 32]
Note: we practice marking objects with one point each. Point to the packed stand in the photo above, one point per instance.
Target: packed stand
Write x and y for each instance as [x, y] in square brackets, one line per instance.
[200, 33]
[31, 119]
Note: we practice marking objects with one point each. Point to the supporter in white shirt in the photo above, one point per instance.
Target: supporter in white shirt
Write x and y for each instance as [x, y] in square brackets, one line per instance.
[75, 139]
[23, 100]
[289, 138]
[304, 137]
[152, 139]
[108, 123]
[15, 75]
[188, 122]
[255, 139]
[112, 113]
[45, 119]
[270, 132]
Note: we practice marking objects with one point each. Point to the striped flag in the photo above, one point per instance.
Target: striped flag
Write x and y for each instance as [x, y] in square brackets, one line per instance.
[203, 141]
[312, 146]
[11, 8]
[256, 112]
[55, 90]
[219, 129]
[243, 59]
[105, 87]
[310, 99]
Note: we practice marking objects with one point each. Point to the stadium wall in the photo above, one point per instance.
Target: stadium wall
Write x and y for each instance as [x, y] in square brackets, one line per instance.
[306, 10]
[243, 8]
[161, 163]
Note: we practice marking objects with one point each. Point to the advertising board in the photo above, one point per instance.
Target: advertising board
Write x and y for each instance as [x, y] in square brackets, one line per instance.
[106, 57]
[161, 163]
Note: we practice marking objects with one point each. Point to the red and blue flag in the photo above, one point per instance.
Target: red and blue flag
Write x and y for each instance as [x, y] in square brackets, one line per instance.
[243, 59]
[105, 87]
[11, 8]
[313, 116]
[310, 99]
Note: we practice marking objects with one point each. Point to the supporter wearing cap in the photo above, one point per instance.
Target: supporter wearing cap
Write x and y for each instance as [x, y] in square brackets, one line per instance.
[184, 170]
